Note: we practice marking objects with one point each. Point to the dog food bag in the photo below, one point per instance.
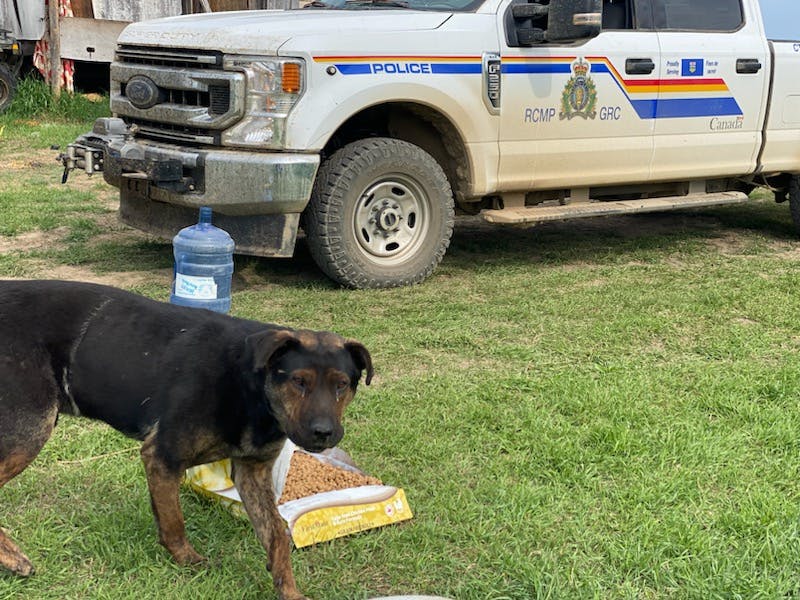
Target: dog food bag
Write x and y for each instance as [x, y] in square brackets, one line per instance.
[320, 496]
[214, 481]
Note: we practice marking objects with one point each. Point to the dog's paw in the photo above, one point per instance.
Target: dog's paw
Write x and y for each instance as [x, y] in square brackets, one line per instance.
[191, 558]
[185, 555]
[23, 567]
[290, 593]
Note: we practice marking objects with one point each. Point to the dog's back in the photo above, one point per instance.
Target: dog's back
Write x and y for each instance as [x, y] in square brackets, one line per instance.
[106, 353]
[46, 313]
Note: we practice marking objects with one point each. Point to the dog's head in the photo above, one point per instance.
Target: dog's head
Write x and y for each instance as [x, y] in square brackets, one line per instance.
[311, 376]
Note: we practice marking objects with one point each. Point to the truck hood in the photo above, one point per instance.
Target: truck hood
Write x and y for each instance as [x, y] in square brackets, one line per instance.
[265, 31]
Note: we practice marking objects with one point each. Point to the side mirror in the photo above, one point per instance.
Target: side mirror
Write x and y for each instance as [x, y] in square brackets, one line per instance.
[531, 23]
[574, 20]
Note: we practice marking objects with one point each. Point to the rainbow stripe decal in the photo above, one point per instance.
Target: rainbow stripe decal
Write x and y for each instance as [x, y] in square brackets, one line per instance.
[709, 97]
[680, 97]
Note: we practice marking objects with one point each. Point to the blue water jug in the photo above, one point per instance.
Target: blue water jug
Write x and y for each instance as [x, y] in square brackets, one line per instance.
[203, 266]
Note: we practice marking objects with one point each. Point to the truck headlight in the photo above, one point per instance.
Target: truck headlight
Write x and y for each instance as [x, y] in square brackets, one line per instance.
[273, 87]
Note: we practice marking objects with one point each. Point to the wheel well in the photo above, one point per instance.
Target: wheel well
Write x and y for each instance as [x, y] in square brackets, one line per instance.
[416, 124]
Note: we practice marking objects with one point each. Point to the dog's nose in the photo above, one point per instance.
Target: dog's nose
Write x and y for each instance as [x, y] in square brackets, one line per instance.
[322, 430]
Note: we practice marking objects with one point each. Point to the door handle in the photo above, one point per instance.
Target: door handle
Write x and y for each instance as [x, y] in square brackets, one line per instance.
[639, 66]
[748, 65]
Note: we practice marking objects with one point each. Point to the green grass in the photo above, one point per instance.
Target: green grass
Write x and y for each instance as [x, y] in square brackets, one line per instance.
[596, 409]
[34, 99]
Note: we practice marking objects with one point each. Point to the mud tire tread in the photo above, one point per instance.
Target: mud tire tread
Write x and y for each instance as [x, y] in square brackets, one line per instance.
[334, 195]
[8, 87]
[794, 201]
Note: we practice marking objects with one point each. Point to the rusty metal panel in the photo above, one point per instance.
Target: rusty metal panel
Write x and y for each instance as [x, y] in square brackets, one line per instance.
[280, 4]
[91, 40]
[82, 9]
[223, 5]
[135, 10]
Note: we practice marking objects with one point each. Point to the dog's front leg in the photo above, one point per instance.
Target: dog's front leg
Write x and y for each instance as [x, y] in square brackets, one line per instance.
[254, 482]
[164, 485]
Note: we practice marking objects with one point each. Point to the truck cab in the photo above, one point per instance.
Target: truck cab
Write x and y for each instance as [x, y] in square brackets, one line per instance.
[370, 123]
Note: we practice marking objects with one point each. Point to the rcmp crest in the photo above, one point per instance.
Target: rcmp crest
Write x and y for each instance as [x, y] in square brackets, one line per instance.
[579, 97]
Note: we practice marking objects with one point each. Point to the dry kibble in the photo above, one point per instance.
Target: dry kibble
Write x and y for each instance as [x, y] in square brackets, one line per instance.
[308, 476]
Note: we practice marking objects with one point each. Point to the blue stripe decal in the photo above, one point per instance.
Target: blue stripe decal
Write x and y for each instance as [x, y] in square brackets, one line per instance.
[646, 109]
[456, 68]
[697, 107]
[535, 68]
[435, 68]
[358, 69]
[677, 108]
[548, 68]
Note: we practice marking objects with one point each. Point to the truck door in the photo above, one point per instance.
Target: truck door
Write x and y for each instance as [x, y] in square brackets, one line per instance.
[782, 144]
[571, 113]
[710, 108]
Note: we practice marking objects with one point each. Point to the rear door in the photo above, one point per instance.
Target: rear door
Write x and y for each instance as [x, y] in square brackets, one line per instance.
[713, 89]
[782, 143]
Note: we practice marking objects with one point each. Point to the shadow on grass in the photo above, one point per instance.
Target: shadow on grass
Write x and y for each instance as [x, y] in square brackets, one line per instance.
[603, 240]
[614, 239]
[597, 240]
[109, 257]
[300, 271]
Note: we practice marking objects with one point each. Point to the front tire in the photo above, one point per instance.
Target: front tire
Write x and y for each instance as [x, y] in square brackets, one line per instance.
[8, 86]
[380, 215]
[794, 200]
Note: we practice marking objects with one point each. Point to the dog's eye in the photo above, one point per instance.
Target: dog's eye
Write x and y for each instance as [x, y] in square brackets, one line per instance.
[342, 385]
[299, 382]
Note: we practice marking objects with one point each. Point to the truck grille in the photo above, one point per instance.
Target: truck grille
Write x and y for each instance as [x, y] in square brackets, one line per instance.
[146, 55]
[176, 94]
[219, 99]
[174, 133]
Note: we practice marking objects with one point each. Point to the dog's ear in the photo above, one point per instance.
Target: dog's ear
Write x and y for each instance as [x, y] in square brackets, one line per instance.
[361, 357]
[261, 347]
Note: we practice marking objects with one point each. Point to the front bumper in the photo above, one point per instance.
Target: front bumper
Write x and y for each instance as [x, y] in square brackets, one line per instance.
[256, 196]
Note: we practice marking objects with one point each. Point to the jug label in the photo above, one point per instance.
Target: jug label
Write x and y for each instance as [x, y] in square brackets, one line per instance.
[190, 286]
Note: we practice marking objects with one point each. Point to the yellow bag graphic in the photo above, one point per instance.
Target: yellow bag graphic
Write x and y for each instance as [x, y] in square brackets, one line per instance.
[316, 518]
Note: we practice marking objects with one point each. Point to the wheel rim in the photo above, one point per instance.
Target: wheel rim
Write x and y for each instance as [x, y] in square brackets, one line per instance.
[391, 219]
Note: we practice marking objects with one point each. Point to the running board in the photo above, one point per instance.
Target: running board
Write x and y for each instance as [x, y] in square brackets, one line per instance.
[536, 214]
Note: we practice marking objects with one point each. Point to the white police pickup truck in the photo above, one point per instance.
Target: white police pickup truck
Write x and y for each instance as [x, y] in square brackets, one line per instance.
[369, 123]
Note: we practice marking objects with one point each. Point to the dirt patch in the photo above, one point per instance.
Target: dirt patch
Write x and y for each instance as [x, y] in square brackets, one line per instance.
[115, 231]
[790, 254]
[744, 321]
[33, 240]
[94, 184]
[116, 279]
[727, 243]
[41, 163]
[129, 279]
[733, 243]
[31, 159]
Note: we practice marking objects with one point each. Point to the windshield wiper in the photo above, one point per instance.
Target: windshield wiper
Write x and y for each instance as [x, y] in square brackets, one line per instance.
[381, 3]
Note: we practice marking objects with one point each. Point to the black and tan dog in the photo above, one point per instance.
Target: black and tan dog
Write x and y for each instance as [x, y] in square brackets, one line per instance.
[193, 385]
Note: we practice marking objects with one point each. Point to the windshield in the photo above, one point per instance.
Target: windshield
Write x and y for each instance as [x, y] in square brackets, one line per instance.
[433, 5]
